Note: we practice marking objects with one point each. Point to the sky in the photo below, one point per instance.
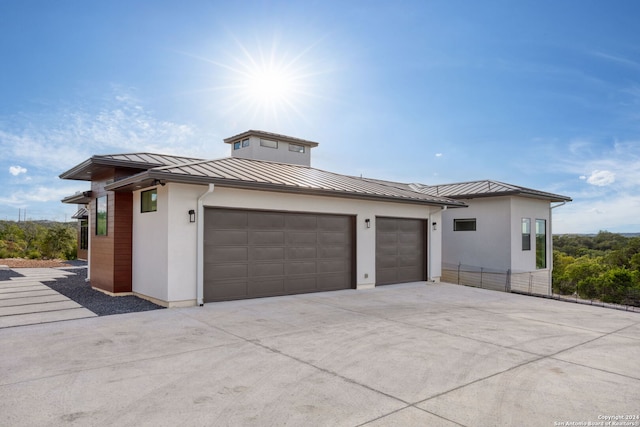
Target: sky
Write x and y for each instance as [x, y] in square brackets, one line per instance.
[542, 94]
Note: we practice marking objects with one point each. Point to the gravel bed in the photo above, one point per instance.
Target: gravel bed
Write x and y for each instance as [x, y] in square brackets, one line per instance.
[6, 274]
[75, 287]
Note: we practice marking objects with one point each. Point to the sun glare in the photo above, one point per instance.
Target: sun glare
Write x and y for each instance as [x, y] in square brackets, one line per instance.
[269, 83]
[270, 86]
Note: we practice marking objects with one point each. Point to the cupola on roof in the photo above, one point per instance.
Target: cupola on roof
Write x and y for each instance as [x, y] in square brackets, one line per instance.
[273, 147]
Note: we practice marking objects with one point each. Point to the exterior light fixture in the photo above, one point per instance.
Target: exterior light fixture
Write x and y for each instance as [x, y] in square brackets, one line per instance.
[434, 225]
[367, 222]
[192, 215]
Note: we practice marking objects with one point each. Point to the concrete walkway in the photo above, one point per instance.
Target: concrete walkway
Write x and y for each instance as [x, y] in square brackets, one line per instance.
[26, 300]
[404, 355]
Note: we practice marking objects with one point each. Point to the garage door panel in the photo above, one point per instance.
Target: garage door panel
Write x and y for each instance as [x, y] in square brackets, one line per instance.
[342, 252]
[301, 284]
[266, 269]
[400, 250]
[386, 239]
[301, 267]
[225, 218]
[224, 254]
[332, 282]
[266, 237]
[227, 237]
[337, 223]
[265, 253]
[220, 290]
[332, 238]
[301, 222]
[409, 274]
[226, 271]
[297, 238]
[266, 221]
[306, 252]
[276, 253]
[405, 239]
[335, 266]
[266, 287]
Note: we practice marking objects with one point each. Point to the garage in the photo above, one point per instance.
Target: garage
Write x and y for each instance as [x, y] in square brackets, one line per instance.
[401, 250]
[251, 254]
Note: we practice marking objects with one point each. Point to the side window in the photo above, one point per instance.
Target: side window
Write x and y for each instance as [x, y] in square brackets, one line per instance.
[526, 234]
[101, 216]
[465, 224]
[149, 201]
[541, 243]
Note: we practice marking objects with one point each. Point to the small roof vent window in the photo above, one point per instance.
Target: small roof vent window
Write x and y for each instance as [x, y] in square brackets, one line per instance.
[268, 143]
[296, 148]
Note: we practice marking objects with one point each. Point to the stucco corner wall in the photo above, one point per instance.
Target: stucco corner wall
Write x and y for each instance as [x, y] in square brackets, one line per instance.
[150, 247]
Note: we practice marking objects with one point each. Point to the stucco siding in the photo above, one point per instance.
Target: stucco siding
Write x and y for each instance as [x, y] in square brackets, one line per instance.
[489, 246]
[522, 207]
[177, 281]
[150, 248]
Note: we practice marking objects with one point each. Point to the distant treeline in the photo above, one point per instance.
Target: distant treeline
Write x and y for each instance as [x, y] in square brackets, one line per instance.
[605, 267]
[38, 240]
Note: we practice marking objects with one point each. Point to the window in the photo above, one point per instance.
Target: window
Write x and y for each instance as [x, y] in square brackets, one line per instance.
[237, 145]
[149, 201]
[467, 224]
[101, 216]
[245, 142]
[84, 234]
[268, 143]
[526, 234]
[541, 243]
[297, 148]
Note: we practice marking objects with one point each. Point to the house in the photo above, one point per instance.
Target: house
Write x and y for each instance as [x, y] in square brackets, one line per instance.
[502, 240]
[181, 231]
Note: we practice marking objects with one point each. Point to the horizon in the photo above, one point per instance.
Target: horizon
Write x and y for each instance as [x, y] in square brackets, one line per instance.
[538, 94]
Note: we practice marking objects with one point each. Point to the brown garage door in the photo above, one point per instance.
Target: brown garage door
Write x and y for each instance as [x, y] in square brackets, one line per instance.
[401, 250]
[249, 254]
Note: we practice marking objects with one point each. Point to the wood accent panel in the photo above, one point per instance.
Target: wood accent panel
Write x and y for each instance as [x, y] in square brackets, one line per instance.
[111, 255]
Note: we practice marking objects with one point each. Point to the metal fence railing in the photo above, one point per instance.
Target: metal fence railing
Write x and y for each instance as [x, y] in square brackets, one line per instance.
[533, 282]
[536, 283]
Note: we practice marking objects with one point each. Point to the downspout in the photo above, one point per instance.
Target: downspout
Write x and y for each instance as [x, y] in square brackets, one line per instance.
[551, 208]
[200, 247]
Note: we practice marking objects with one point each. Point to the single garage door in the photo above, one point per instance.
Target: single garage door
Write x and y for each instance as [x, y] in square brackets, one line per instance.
[250, 254]
[401, 250]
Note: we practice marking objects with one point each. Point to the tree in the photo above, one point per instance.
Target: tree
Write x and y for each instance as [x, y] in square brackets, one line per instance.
[58, 241]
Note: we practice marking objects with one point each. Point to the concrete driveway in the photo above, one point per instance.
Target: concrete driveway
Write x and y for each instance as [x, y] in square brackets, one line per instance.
[405, 355]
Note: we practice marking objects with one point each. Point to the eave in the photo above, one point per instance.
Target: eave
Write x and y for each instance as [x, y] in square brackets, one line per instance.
[154, 177]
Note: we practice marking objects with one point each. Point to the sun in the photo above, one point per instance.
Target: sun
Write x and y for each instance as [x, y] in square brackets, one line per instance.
[266, 82]
[270, 86]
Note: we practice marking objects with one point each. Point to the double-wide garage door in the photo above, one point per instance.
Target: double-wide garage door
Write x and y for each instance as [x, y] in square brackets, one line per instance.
[401, 250]
[249, 254]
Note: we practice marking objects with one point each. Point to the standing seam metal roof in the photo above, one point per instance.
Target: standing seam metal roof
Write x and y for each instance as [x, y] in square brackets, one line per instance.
[236, 171]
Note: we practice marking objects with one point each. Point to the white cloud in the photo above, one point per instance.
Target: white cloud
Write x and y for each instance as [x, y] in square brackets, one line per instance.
[601, 178]
[17, 170]
[438, 154]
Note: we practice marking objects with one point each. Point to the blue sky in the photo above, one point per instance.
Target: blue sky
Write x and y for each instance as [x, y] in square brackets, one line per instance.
[543, 94]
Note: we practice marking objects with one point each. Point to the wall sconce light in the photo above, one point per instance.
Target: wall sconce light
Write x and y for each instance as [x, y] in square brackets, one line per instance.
[434, 225]
[192, 216]
[367, 222]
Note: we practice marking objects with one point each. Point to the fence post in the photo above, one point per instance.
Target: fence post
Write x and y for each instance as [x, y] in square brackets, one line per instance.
[481, 271]
[507, 285]
[459, 263]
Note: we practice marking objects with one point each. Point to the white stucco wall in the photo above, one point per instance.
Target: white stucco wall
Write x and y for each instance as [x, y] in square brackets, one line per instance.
[490, 245]
[150, 241]
[522, 207]
[179, 241]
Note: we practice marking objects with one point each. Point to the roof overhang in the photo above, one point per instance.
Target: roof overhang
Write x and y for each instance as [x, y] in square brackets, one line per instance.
[553, 198]
[81, 198]
[98, 165]
[269, 135]
[158, 177]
